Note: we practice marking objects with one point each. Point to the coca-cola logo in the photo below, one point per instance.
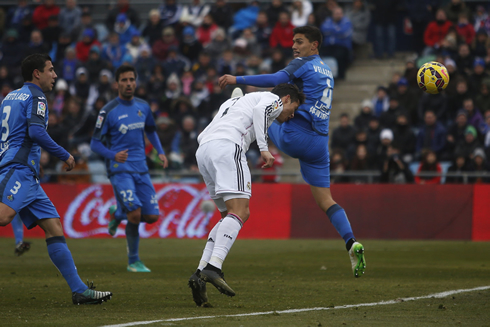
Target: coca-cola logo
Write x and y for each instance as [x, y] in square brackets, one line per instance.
[180, 213]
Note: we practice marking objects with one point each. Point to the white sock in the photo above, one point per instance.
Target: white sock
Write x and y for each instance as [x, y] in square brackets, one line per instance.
[225, 237]
[208, 249]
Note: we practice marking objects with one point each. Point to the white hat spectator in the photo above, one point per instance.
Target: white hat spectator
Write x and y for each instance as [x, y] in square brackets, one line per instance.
[367, 103]
[61, 85]
[386, 134]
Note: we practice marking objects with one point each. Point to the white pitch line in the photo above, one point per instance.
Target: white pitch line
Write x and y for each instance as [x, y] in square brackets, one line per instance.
[372, 304]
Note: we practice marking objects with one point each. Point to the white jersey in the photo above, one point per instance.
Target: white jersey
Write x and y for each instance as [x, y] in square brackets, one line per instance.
[243, 120]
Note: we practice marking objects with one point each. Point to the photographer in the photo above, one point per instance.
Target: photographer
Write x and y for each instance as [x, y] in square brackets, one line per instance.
[394, 169]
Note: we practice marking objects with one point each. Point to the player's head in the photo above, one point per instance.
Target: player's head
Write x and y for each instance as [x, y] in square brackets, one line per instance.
[291, 98]
[126, 81]
[306, 41]
[38, 69]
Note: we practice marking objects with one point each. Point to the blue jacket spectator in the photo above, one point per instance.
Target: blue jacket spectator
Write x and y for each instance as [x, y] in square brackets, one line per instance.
[12, 49]
[245, 18]
[113, 51]
[16, 14]
[432, 135]
[124, 29]
[145, 64]
[337, 31]
[70, 17]
[170, 12]
[175, 63]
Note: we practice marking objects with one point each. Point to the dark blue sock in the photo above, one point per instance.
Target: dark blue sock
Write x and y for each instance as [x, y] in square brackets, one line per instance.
[133, 240]
[18, 228]
[339, 220]
[62, 259]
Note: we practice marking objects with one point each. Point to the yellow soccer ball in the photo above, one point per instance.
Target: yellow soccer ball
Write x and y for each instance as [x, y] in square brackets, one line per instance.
[432, 77]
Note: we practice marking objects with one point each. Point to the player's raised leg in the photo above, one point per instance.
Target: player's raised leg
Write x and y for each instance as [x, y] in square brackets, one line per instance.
[18, 227]
[339, 220]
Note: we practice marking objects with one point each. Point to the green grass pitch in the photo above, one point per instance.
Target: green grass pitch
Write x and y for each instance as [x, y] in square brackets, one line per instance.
[268, 275]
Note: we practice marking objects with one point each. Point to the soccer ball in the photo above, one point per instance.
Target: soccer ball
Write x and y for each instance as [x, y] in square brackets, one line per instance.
[432, 77]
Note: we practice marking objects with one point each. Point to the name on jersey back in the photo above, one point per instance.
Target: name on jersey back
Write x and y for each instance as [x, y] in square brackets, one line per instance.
[323, 71]
[17, 96]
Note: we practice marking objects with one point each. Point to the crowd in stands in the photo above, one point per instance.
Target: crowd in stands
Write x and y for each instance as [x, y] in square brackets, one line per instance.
[180, 50]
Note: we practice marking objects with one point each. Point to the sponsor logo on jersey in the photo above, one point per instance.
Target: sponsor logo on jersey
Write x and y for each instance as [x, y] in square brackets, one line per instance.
[123, 129]
[277, 104]
[100, 119]
[140, 113]
[41, 109]
[10, 197]
[121, 117]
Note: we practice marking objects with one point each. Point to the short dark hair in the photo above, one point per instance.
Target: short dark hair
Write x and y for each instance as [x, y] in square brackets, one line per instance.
[33, 62]
[292, 90]
[124, 69]
[312, 33]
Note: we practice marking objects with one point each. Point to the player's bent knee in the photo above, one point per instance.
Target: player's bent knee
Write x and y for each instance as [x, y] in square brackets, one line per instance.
[150, 219]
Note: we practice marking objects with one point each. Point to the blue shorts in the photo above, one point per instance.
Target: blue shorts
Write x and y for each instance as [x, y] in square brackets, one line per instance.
[133, 191]
[306, 145]
[20, 190]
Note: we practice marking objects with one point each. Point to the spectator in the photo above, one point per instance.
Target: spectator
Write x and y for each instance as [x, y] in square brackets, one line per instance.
[429, 163]
[170, 12]
[227, 63]
[5, 77]
[344, 135]
[144, 64]
[85, 44]
[436, 32]
[273, 11]
[195, 12]
[244, 18]
[153, 29]
[482, 100]
[455, 102]
[203, 63]
[184, 145]
[219, 43]
[394, 169]
[69, 65]
[338, 165]
[26, 29]
[262, 32]
[42, 13]
[103, 87]
[282, 34]
[475, 118]
[72, 177]
[252, 45]
[156, 85]
[486, 133]
[456, 132]
[175, 63]
[384, 17]
[464, 60]
[479, 17]
[52, 32]
[449, 45]
[360, 17]
[437, 103]
[278, 61]
[166, 130]
[324, 11]
[12, 50]
[420, 13]
[278, 162]
[135, 45]
[432, 135]
[124, 29]
[362, 120]
[408, 99]
[455, 8]
[83, 91]
[113, 52]
[373, 135]
[403, 137]
[300, 11]
[460, 165]
[199, 92]
[122, 7]
[337, 40]
[388, 118]
[16, 14]
[205, 30]
[470, 143]
[84, 133]
[100, 30]
[161, 46]
[480, 165]
[70, 17]
[360, 162]
[381, 101]
[95, 64]
[465, 29]
[36, 44]
[478, 75]
[64, 41]
[222, 14]
[480, 44]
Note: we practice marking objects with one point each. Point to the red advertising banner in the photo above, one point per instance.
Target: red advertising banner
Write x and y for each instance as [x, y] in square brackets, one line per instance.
[84, 211]
[481, 213]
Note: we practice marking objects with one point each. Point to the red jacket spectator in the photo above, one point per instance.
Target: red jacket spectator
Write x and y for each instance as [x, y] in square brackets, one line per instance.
[43, 12]
[83, 46]
[161, 46]
[282, 35]
[467, 32]
[429, 164]
[435, 33]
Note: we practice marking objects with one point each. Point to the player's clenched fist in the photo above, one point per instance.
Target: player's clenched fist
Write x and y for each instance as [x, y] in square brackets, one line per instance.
[121, 156]
[226, 80]
[70, 162]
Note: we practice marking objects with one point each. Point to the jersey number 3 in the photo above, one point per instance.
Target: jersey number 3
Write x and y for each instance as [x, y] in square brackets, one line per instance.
[5, 123]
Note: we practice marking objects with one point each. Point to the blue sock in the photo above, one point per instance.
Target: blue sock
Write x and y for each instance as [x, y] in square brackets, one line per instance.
[339, 220]
[133, 240]
[62, 259]
[18, 228]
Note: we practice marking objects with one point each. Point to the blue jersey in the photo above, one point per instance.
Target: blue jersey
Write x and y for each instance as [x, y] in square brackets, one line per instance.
[315, 79]
[121, 126]
[20, 109]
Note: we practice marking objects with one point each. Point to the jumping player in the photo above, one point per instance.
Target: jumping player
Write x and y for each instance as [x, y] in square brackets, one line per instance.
[306, 136]
[119, 137]
[223, 165]
[23, 133]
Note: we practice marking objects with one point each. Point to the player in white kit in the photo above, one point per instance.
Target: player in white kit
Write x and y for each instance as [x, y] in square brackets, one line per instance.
[223, 165]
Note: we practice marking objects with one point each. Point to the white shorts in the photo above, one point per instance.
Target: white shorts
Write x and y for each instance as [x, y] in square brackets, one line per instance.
[225, 171]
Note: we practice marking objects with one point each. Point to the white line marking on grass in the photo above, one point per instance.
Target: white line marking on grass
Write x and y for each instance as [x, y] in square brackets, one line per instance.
[372, 304]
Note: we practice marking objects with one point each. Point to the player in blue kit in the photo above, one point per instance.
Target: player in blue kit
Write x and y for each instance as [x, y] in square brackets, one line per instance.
[119, 137]
[23, 133]
[306, 135]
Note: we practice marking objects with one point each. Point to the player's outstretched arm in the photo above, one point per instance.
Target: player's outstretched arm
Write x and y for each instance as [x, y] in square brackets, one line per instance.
[99, 148]
[152, 136]
[39, 135]
[266, 80]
